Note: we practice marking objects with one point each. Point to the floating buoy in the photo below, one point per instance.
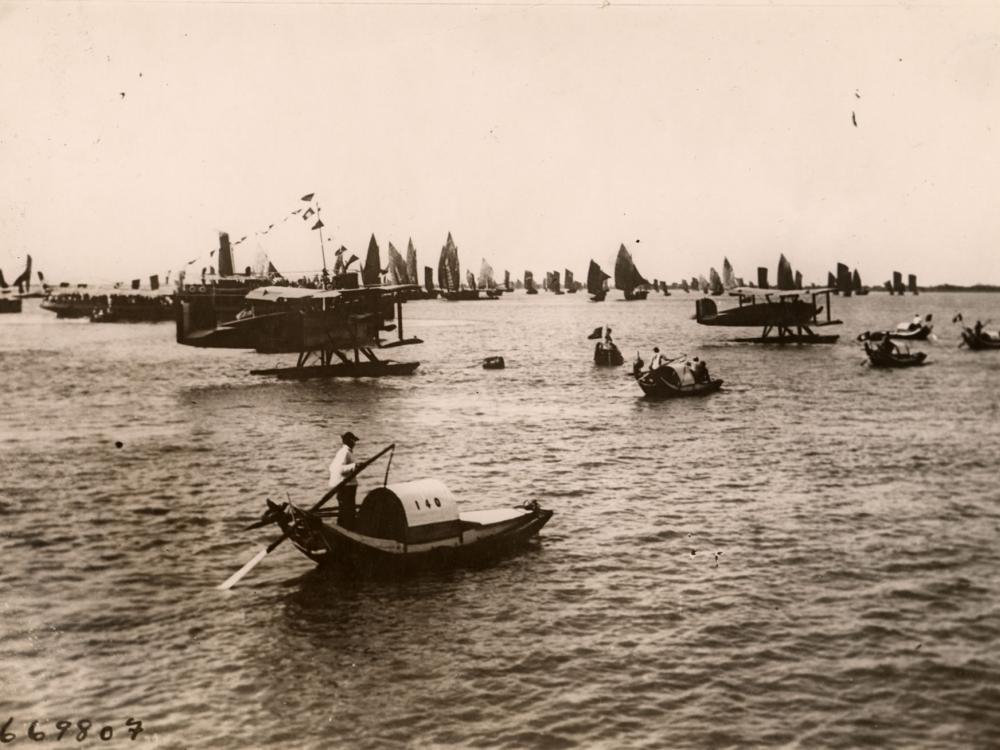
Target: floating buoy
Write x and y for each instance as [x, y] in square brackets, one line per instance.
[494, 363]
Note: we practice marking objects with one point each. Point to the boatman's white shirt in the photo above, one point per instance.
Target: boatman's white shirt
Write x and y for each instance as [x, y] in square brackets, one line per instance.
[342, 465]
[657, 361]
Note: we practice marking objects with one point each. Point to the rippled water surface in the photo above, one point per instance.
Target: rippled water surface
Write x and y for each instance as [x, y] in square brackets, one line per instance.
[809, 558]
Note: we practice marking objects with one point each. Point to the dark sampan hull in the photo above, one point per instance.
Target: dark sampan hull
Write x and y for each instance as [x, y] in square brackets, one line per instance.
[883, 359]
[656, 387]
[978, 342]
[608, 357]
[332, 545]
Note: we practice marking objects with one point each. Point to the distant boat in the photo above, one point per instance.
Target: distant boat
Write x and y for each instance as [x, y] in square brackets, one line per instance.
[397, 273]
[450, 275]
[798, 280]
[553, 278]
[897, 283]
[371, 273]
[844, 280]
[429, 289]
[470, 280]
[506, 282]
[912, 284]
[684, 286]
[597, 286]
[529, 283]
[888, 287]
[10, 302]
[663, 288]
[486, 280]
[728, 277]
[704, 285]
[628, 278]
[762, 278]
[695, 285]
[856, 283]
[570, 284]
[879, 356]
[831, 282]
[786, 279]
[412, 276]
[715, 283]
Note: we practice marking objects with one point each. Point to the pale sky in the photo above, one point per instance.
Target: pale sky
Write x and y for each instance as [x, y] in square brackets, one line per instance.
[539, 135]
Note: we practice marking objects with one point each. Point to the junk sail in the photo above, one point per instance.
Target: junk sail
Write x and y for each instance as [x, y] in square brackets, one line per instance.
[486, 276]
[412, 276]
[570, 284]
[597, 286]
[371, 274]
[715, 283]
[912, 284]
[762, 277]
[449, 273]
[529, 283]
[897, 283]
[786, 279]
[728, 277]
[843, 280]
[397, 267]
[856, 282]
[627, 276]
[470, 280]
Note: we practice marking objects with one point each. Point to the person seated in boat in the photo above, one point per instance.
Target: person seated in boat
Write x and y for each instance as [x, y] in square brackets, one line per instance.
[657, 360]
[637, 365]
[886, 346]
[246, 312]
[916, 323]
[978, 330]
[700, 371]
[341, 467]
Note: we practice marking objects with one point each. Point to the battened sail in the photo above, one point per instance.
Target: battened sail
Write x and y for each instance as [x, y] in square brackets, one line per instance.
[844, 280]
[371, 274]
[703, 285]
[714, 282]
[786, 279]
[596, 279]
[728, 277]
[449, 272]
[627, 276]
[23, 282]
[470, 280]
[912, 284]
[506, 282]
[897, 283]
[762, 281]
[856, 281]
[684, 286]
[529, 283]
[412, 276]
[568, 278]
[486, 276]
[554, 282]
[429, 279]
[397, 267]
[798, 279]
[831, 280]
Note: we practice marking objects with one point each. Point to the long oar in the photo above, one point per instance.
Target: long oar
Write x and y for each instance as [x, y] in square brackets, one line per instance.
[252, 563]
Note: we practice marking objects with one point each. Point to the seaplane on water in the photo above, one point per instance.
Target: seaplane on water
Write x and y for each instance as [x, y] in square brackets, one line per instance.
[786, 315]
[336, 329]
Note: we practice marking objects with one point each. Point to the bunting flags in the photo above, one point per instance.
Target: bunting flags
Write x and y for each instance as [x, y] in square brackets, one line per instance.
[308, 197]
[319, 224]
[350, 260]
[341, 250]
[308, 212]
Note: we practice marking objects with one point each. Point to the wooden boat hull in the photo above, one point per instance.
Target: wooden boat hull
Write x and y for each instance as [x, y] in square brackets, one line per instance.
[10, 305]
[604, 357]
[978, 343]
[329, 544]
[634, 295]
[369, 369]
[468, 295]
[917, 334]
[655, 386]
[879, 358]
[598, 296]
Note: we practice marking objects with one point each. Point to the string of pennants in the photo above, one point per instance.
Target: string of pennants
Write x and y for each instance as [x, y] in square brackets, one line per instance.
[306, 213]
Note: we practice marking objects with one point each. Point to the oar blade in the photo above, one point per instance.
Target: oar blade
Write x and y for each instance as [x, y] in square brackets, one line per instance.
[239, 574]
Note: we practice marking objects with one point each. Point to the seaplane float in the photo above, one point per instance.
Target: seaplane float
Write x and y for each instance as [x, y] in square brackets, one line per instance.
[399, 527]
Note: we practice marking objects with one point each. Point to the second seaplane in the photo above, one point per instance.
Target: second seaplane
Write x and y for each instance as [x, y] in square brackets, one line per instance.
[335, 331]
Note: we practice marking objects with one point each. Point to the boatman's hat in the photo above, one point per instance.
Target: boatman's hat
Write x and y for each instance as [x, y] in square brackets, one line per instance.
[349, 437]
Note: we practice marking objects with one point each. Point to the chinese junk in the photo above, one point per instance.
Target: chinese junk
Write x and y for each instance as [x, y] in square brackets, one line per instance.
[399, 527]
[628, 278]
[597, 286]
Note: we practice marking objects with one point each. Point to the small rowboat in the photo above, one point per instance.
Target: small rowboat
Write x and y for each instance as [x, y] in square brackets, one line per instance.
[607, 355]
[408, 525]
[880, 358]
[981, 341]
[494, 363]
[667, 382]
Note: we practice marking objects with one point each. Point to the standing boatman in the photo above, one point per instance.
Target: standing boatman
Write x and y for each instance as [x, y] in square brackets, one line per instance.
[340, 467]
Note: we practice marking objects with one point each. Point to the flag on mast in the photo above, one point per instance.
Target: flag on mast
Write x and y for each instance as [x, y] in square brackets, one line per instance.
[319, 223]
[308, 197]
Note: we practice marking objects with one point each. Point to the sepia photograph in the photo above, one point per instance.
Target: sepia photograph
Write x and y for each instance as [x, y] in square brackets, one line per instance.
[714, 465]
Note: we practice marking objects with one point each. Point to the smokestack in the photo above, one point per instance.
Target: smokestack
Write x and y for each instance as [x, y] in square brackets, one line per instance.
[225, 255]
[154, 282]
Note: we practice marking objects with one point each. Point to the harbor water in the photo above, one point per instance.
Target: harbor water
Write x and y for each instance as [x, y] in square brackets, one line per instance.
[809, 558]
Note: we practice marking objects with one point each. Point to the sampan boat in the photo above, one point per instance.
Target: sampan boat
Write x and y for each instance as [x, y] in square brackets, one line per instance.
[881, 358]
[981, 340]
[409, 525]
[671, 381]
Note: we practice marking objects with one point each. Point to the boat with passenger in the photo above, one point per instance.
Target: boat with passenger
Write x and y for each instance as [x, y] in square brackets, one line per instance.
[978, 338]
[400, 527]
[676, 378]
[888, 354]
